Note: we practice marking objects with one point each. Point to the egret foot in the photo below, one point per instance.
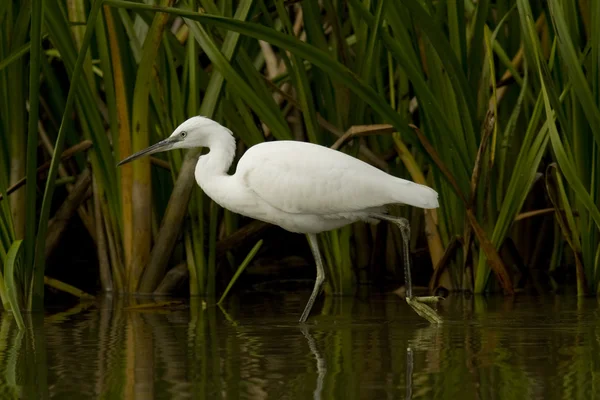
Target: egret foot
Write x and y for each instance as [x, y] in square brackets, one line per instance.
[421, 307]
[428, 299]
[419, 304]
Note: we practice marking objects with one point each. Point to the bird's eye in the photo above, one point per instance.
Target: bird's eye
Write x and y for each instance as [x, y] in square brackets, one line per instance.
[183, 134]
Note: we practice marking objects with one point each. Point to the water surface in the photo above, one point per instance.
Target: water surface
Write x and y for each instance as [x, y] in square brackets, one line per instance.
[253, 348]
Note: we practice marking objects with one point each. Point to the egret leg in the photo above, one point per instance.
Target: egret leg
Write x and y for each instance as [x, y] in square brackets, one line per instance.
[314, 247]
[419, 304]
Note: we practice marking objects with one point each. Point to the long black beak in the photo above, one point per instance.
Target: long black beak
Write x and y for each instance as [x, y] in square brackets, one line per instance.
[155, 148]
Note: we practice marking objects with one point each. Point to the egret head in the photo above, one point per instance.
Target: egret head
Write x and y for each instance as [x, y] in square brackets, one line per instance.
[195, 132]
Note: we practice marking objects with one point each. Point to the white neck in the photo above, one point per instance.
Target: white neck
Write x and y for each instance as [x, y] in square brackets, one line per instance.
[216, 163]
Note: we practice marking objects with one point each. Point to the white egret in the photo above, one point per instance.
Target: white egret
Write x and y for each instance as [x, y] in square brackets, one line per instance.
[301, 187]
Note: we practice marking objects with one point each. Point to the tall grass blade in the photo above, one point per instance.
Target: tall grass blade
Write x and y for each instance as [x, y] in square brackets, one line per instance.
[36, 292]
[241, 269]
[562, 156]
[577, 78]
[184, 185]
[17, 31]
[123, 144]
[14, 289]
[14, 56]
[141, 189]
[321, 59]
[37, 277]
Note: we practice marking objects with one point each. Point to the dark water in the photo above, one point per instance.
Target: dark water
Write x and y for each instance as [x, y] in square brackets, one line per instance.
[253, 348]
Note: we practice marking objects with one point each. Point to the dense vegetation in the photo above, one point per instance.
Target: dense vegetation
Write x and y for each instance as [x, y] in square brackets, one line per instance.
[495, 104]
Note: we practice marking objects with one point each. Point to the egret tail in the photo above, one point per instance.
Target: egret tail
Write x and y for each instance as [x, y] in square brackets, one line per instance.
[416, 195]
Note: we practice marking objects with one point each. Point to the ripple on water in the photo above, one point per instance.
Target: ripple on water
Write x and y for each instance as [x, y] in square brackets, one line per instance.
[487, 348]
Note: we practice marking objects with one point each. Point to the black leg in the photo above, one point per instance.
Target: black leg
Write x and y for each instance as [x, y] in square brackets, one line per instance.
[419, 304]
[314, 246]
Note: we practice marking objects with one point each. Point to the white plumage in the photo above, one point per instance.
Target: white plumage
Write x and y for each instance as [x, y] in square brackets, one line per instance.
[305, 178]
[302, 187]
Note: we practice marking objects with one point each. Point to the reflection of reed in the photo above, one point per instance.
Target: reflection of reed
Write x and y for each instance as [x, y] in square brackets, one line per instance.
[169, 351]
[486, 349]
[104, 345]
[140, 358]
[204, 350]
[11, 341]
[111, 380]
[36, 361]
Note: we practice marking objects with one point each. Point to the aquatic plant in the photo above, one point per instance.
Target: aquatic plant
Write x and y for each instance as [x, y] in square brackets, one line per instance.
[493, 104]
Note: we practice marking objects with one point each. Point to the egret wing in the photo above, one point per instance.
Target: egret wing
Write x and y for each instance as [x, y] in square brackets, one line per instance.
[304, 178]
